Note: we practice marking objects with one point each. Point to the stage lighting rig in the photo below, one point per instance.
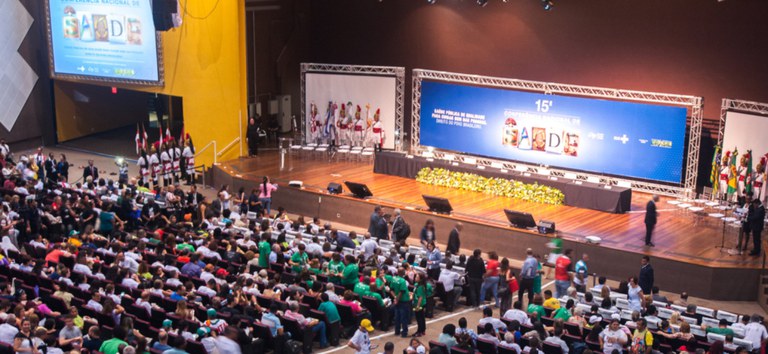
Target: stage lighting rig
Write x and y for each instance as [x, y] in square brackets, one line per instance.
[547, 4]
[482, 3]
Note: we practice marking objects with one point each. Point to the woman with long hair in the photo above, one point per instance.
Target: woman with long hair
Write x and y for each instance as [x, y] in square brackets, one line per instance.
[420, 295]
[507, 279]
[265, 194]
[427, 233]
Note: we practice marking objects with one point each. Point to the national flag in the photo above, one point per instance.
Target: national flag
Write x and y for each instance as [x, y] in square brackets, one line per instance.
[160, 139]
[714, 176]
[182, 139]
[748, 179]
[145, 142]
[733, 174]
[138, 139]
[168, 133]
[329, 121]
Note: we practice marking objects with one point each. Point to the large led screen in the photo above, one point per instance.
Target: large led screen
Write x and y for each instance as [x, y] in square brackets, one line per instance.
[636, 140]
[111, 40]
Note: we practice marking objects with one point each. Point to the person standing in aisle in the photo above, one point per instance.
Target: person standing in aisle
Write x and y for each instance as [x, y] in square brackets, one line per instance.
[265, 194]
[454, 242]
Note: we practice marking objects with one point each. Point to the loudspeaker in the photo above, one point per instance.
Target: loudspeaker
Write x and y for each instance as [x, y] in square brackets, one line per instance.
[546, 227]
[335, 188]
[162, 14]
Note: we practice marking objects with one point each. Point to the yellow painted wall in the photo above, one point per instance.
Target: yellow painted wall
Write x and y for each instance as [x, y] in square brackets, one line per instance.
[205, 64]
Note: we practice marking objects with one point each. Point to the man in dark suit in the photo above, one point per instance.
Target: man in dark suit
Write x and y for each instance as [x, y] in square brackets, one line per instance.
[377, 226]
[91, 171]
[650, 219]
[193, 197]
[756, 221]
[454, 243]
[645, 280]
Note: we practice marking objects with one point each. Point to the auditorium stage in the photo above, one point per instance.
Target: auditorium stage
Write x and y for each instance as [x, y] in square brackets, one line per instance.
[685, 256]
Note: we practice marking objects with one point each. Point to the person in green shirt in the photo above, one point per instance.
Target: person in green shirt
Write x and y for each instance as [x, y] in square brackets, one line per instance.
[536, 307]
[351, 275]
[722, 328]
[329, 309]
[335, 269]
[362, 288]
[264, 249]
[299, 259]
[314, 267]
[564, 313]
[112, 346]
[420, 295]
[399, 290]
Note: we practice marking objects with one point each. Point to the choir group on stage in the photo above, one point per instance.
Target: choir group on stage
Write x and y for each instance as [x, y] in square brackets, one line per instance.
[341, 126]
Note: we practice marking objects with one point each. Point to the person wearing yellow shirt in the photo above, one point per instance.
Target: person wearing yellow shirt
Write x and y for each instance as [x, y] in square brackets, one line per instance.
[549, 301]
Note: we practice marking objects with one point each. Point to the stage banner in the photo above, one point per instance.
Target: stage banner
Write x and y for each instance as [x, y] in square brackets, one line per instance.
[746, 132]
[332, 101]
[641, 141]
[104, 40]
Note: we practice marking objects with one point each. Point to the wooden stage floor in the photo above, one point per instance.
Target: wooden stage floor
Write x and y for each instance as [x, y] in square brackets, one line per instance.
[681, 236]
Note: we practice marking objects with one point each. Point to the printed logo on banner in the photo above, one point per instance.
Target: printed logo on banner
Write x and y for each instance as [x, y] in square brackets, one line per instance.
[554, 140]
[111, 28]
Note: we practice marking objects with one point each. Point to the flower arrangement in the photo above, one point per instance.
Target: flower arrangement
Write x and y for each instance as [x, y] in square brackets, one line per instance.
[493, 186]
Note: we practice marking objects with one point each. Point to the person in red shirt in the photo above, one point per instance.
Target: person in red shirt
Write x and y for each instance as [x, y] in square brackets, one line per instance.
[491, 278]
[563, 273]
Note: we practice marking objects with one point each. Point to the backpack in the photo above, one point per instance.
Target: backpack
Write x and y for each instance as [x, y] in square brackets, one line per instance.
[406, 230]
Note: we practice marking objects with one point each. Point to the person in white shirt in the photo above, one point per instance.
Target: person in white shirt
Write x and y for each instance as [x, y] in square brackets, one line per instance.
[209, 289]
[7, 330]
[450, 280]
[94, 302]
[489, 334]
[330, 289]
[517, 314]
[509, 343]
[368, 246]
[227, 344]
[488, 318]
[755, 332]
[613, 338]
[556, 340]
[360, 342]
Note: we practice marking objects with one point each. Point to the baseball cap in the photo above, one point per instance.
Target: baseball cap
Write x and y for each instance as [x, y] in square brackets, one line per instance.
[202, 331]
[595, 319]
[73, 232]
[222, 273]
[616, 316]
[211, 312]
[421, 350]
[366, 323]
[167, 323]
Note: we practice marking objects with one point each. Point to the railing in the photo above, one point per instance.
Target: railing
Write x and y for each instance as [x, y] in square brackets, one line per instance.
[212, 143]
[229, 146]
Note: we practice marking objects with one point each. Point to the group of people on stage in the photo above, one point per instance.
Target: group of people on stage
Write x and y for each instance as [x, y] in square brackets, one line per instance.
[342, 126]
[167, 160]
[736, 180]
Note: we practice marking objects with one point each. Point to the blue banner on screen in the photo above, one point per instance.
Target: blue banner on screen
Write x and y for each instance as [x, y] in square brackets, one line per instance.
[610, 137]
[112, 39]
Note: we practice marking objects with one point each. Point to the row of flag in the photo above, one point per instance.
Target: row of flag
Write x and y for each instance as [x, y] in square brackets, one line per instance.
[142, 138]
[733, 175]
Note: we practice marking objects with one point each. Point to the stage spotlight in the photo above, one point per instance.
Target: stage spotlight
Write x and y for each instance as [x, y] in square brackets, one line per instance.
[547, 4]
[482, 3]
[431, 2]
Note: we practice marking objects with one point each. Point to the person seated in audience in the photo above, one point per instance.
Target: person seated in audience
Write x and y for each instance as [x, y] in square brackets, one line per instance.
[92, 341]
[538, 332]
[556, 339]
[550, 301]
[349, 300]
[755, 332]
[535, 309]
[564, 313]
[683, 300]
[721, 329]
[447, 336]
[489, 334]
[313, 324]
[664, 327]
[464, 330]
[651, 316]
[493, 321]
[612, 338]
[588, 299]
[690, 312]
[683, 334]
[658, 297]
[741, 326]
[517, 314]
[161, 344]
[415, 347]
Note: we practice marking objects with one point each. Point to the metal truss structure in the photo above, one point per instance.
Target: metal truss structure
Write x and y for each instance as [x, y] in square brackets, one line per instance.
[365, 70]
[694, 105]
[738, 106]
